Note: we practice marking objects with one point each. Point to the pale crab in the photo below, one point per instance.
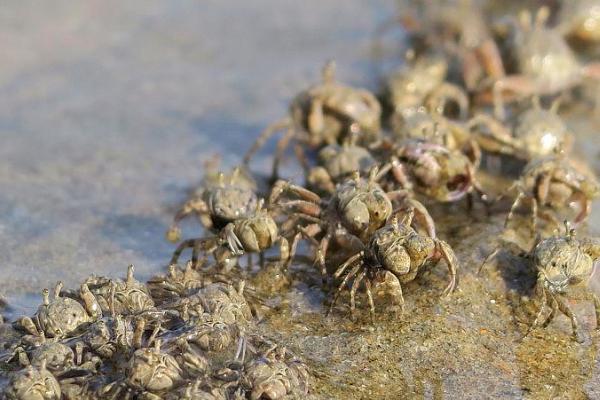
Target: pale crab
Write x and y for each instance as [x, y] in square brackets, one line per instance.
[149, 372]
[122, 297]
[536, 132]
[324, 114]
[544, 63]
[394, 255]
[423, 85]
[352, 214]
[59, 316]
[562, 263]
[32, 383]
[549, 183]
[253, 234]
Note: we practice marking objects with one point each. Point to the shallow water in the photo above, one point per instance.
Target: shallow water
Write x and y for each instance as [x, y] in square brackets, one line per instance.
[107, 111]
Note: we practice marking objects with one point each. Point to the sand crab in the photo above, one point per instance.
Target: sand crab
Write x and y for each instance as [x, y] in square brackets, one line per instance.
[149, 371]
[357, 209]
[549, 183]
[435, 171]
[324, 114]
[62, 315]
[336, 163]
[222, 198]
[545, 64]
[222, 300]
[178, 283]
[270, 376]
[33, 383]
[423, 85]
[122, 297]
[395, 253]
[537, 132]
[113, 335]
[253, 234]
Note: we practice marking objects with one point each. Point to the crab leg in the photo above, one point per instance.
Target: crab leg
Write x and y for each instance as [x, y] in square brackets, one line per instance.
[265, 135]
[513, 208]
[353, 290]
[282, 186]
[322, 251]
[446, 93]
[543, 303]
[282, 145]
[196, 206]
[304, 207]
[565, 309]
[553, 309]
[452, 263]
[350, 274]
[370, 296]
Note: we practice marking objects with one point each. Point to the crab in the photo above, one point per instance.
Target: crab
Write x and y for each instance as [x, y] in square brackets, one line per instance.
[32, 383]
[562, 263]
[435, 171]
[549, 183]
[394, 255]
[178, 283]
[221, 300]
[537, 132]
[324, 114]
[200, 389]
[123, 297]
[62, 315]
[545, 64]
[336, 163]
[423, 85]
[254, 234]
[580, 20]
[149, 372]
[352, 214]
[463, 31]
[270, 376]
[222, 199]
[113, 335]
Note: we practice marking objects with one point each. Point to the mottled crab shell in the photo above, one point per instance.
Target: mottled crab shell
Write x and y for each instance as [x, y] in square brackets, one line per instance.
[61, 316]
[57, 356]
[363, 206]
[151, 370]
[32, 383]
[230, 203]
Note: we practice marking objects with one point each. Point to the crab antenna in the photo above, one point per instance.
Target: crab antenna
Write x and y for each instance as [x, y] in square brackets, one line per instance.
[355, 176]
[57, 289]
[525, 20]
[46, 296]
[188, 268]
[260, 204]
[172, 271]
[373, 174]
[542, 16]
[130, 270]
[328, 72]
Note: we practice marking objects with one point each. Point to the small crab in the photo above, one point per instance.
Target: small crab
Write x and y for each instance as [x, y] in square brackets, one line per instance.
[113, 335]
[434, 171]
[545, 64]
[549, 183]
[149, 371]
[123, 297]
[336, 163]
[224, 301]
[222, 198]
[62, 315]
[33, 383]
[423, 84]
[580, 20]
[537, 132]
[177, 283]
[395, 253]
[253, 234]
[357, 209]
[562, 263]
[272, 377]
[324, 114]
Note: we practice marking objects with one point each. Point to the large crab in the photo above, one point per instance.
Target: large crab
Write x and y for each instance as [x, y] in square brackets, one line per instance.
[357, 209]
[394, 254]
[324, 114]
[536, 132]
[549, 183]
[544, 63]
[254, 234]
[59, 316]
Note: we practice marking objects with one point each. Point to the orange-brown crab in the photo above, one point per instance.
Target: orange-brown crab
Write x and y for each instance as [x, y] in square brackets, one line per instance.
[324, 114]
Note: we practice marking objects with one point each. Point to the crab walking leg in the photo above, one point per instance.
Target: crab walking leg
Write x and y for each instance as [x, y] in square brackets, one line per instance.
[534, 214]
[285, 253]
[322, 251]
[447, 93]
[303, 206]
[282, 146]
[565, 309]
[349, 275]
[585, 206]
[516, 84]
[301, 157]
[543, 301]
[398, 292]
[452, 263]
[513, 208]
[282, 186]
[490, 256]
[370, 296]
[204, 244]
[308, 233]
[265, 135]
[196, 206]
[553, 309]
[353, 290]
